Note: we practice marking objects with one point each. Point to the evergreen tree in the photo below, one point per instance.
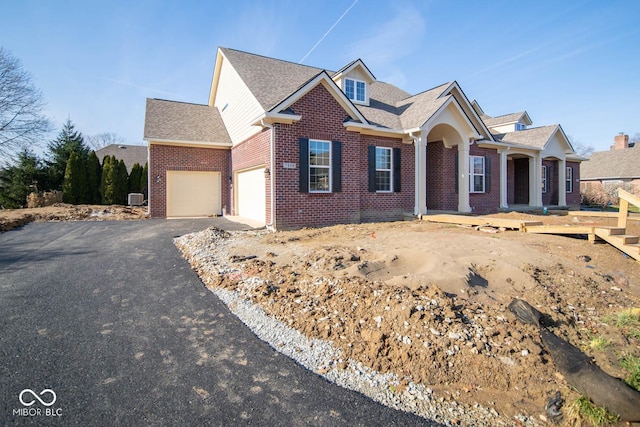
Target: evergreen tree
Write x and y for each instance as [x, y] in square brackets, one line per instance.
[94, 176]
[144, 180]
[68, 141]
[26, 175]
[74, 188]
[122, 179]
[135, 178]
[106, 183]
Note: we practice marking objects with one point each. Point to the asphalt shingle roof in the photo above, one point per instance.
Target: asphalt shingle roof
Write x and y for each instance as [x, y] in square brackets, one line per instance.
[270, 80]
[500, 120]
[612, 164]
[172, 120]
[129, 154]
[532, 137]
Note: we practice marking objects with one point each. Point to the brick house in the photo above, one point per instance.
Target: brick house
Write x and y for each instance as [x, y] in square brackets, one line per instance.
[290, 145]
[618, 167]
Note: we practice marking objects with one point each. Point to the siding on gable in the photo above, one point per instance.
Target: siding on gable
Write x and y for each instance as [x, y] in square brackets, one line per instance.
[236, 104]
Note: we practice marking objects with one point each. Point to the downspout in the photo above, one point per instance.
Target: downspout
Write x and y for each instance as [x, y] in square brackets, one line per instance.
[416, 150]
[272, 197]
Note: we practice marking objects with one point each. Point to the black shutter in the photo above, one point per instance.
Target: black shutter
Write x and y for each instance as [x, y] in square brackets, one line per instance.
[336, 166]
[487, 174]
[455, 171]
[304, 165]
[372, 168]
[397, 172]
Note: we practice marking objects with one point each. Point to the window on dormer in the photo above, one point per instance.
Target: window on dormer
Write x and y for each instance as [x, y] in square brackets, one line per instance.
[520, 126]
[355, 90]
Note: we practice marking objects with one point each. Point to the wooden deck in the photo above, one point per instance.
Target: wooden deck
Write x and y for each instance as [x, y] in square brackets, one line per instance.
[514, 224]
[615, 236]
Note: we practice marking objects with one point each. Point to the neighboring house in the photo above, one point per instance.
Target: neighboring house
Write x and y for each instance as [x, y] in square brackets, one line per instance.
[291, 145]
[129, 154]
[617, 167]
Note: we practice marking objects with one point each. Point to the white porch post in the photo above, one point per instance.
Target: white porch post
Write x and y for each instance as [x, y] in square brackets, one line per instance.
[503, 179]
[463, 177]
[562, 184]
[420, 148]
[535, 181]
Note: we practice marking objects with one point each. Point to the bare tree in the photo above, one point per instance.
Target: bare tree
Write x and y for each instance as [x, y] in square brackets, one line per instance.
[579, 148]
[101, 140]
[22, 122]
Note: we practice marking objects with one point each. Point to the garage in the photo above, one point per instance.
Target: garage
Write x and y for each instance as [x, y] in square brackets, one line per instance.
[193, 194]
[250, 194]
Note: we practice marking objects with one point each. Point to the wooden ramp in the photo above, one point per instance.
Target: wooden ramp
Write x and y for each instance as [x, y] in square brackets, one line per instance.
[515, 224]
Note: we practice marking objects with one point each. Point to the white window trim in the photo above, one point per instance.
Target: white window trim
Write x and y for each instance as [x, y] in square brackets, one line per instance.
[390, 170]
[355, 90]
[544, 178]
[569, 179]
[329, 167]
[472, 174]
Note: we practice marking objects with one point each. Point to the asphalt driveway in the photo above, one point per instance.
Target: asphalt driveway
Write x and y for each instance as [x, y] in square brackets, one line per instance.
[111, 320]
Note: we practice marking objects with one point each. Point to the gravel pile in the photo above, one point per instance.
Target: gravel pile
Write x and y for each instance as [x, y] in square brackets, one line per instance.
[206, 251]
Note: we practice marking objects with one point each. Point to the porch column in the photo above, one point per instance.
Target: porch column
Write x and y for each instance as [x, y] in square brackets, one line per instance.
[420, 148]
[503, 179]
[463, 177]
[535, 181]
[562, 184]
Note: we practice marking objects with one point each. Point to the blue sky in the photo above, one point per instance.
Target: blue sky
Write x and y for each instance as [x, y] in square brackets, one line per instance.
[576, 63]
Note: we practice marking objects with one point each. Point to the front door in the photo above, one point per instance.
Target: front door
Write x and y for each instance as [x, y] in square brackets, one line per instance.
[521, 181]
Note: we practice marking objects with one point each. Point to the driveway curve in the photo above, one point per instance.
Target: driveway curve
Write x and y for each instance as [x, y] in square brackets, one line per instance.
[103, 323]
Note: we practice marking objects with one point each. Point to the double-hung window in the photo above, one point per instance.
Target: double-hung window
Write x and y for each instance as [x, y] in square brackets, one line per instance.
[384, 175]
[476, 174]
[319, 166]
[544, 179]
[569, 178]
[355, 90]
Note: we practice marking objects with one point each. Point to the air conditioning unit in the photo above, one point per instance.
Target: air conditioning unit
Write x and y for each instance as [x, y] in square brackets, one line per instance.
[136, 199]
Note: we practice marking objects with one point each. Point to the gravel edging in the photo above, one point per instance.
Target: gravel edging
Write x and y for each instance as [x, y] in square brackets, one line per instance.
[322, 357]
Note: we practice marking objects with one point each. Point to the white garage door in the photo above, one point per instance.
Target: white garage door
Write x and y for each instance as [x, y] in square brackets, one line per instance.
[250, 195]
[193, 193]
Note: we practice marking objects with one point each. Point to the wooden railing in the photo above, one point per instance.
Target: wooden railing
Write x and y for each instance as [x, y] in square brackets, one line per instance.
[623, 213]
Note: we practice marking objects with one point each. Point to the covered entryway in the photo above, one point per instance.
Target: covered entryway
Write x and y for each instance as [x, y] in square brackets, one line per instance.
[250, 194]
[192, 194]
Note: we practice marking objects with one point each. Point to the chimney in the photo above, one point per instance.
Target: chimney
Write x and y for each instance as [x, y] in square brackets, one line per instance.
[621, 141]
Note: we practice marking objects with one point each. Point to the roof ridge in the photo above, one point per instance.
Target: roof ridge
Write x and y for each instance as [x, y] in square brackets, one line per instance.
[274, 59]
[179, 102]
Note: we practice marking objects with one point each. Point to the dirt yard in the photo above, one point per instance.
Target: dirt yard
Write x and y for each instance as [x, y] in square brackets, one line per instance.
[428, 301]
[11, 218]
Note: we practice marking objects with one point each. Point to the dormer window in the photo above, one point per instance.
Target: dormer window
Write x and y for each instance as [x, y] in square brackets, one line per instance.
[356, 90]
[520, 126]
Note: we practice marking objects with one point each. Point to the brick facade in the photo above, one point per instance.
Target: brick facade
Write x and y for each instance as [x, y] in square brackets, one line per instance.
[489, 201]
[574, 198]
[323, 118]
[163, 158]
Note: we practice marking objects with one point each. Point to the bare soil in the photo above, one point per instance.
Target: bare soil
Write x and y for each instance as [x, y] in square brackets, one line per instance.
[428, 301]
[11, 218]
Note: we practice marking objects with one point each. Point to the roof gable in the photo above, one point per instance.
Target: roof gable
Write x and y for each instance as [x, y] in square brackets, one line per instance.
[357, 67]
[269, 80]
[538, 138]
[323, 79]
[507, 119]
